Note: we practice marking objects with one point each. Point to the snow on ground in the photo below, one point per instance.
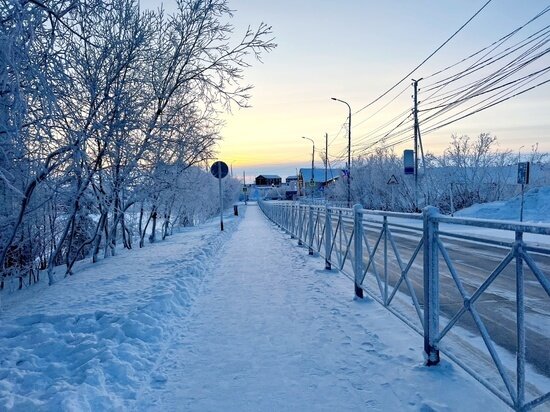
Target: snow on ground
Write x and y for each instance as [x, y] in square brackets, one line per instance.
[89, 341]
[536, 208]
[236, 322]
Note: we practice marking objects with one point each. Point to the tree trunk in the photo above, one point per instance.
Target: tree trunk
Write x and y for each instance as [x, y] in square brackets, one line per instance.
[142, 237]
[153, 235]
[58, 247]
[97, 244]
[140, 226]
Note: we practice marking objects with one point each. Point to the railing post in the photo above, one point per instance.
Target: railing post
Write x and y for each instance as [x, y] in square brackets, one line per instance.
[385, 229]
[310, 230]
[292, 220]
[431, 285]
[289, 218]
[358, 249]
[328, 237]
[520, 311]
[300, 225]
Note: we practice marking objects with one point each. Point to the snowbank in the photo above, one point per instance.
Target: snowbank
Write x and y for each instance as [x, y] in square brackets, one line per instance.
[536, 208]
[89, 342]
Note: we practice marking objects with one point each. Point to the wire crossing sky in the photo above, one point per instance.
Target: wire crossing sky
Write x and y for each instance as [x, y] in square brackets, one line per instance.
[484, 65]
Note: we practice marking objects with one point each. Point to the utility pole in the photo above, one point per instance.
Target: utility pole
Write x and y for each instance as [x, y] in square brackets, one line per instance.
[312, 180]
[416, 139]
[312, 171]
[326, 165]
[245, 189]
[349, 148]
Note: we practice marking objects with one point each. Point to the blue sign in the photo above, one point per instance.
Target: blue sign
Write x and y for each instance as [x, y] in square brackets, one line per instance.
[408, 161]
[219, 169]
[523, 173]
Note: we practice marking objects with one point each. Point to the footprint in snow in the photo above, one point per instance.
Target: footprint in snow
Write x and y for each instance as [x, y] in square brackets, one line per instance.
[158, 380]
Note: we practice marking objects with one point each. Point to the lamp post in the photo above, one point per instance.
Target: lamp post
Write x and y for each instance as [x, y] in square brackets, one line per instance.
[349, 148]
[312, 182]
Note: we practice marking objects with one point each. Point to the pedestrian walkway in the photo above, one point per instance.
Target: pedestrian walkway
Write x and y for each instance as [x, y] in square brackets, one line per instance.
[272, 331]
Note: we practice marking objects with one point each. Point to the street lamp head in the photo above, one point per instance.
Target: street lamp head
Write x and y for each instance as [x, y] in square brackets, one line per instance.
[333, 98]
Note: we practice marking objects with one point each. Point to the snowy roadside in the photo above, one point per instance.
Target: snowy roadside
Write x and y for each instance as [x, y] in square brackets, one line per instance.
[89, 341]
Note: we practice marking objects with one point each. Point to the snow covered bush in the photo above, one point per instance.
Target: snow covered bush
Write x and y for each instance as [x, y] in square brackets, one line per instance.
[469, 171]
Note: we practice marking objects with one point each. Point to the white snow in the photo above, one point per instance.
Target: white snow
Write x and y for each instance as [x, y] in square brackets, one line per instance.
[243, 320]
[536, 208]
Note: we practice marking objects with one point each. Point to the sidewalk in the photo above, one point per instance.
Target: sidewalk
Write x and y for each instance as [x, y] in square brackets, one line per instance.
[270, 331]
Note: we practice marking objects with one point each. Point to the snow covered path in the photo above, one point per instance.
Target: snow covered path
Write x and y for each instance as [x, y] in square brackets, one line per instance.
[270, 331]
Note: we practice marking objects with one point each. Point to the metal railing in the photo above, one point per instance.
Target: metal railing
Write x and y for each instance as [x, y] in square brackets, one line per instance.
[413, 265]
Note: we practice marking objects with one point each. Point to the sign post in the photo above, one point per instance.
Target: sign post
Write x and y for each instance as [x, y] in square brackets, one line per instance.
[392, 182]
[523, 179]
[410, 169]
[219, 169]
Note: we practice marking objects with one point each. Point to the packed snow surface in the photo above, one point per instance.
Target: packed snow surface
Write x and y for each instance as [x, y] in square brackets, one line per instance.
[536, 208]
[239, 321]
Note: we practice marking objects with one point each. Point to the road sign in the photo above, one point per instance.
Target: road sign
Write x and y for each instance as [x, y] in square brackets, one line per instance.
[245, 189]
[219, 169]
[523, 173]
[393, 180]
[408, 161]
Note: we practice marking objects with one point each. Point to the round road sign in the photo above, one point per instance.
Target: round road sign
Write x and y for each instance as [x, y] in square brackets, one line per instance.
[219, 169]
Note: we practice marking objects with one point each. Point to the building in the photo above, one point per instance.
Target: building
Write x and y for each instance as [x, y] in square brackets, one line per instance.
[292, 182]
[306, 178]
[268, 180]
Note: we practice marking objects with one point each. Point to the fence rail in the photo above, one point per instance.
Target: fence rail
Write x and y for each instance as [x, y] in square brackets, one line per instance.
[413, 266]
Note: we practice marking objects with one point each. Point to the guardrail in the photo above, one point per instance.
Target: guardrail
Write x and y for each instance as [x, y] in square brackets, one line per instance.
[362, 245]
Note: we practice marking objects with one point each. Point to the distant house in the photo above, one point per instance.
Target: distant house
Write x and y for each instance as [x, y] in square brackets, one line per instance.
[292, 187]
[292, 182]
[268, 180]
[306, 178]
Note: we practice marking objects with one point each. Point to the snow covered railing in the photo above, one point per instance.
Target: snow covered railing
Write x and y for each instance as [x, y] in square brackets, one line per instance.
[421, 259]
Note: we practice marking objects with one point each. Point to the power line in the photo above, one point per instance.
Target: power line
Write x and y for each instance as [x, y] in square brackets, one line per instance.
[425, 60]
[382, 108]
[513, 82]
[498, 43]
[481, 86]
[375, 131]
[476, 67]
[386, 133]
[446, 123]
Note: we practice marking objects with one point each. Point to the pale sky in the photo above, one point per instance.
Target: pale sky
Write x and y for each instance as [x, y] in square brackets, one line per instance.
[355, 50]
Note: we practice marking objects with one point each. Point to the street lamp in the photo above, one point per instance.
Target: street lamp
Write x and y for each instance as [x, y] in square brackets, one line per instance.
[349, 148]
[312, 182]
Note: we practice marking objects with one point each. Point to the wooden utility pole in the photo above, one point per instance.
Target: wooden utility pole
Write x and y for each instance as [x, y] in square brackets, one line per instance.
[326, 165]
[416, 141]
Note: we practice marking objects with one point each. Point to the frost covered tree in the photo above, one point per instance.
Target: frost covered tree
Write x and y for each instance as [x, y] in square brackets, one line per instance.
[473, 168]
[470, 170]
[98, 99]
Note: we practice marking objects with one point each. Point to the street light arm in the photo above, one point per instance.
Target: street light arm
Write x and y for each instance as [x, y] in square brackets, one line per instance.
[341, 101]
[311, 140]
